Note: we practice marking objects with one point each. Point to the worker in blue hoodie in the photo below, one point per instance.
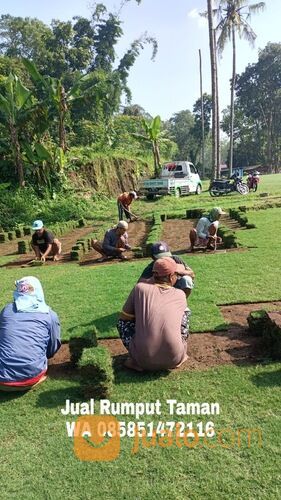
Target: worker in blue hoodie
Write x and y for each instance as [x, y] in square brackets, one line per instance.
[29, 335]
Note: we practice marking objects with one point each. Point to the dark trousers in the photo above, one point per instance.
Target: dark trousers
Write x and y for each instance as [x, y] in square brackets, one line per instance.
[122, 210]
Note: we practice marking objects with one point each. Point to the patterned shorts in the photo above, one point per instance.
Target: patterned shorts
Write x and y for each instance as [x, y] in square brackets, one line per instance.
[127, 329]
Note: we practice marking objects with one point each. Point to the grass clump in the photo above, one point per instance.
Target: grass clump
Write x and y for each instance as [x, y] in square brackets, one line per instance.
[95, 367]
[77, 344]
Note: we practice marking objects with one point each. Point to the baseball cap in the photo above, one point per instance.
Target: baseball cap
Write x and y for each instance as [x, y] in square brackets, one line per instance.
[167, 265]
[160, 249]
[219, 211]
[122, 224]
[134, 194]
[37, 224]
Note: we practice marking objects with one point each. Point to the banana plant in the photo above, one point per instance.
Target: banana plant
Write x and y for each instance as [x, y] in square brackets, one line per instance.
[153, 136]
[16, 108]
[58, 100]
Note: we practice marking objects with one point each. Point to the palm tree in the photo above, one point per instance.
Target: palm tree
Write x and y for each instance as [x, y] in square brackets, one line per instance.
[233, 18]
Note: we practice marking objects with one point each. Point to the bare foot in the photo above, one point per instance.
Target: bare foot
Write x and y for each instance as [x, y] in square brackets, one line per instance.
[186, 357]
[129, 363]
[56, 258]
[122, 257]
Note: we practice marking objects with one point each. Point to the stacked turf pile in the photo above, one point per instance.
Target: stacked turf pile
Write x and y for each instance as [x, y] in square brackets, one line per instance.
[267, 325]
[94, 365]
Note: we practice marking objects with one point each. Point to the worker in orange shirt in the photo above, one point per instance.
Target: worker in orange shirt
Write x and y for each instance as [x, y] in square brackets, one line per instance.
[124, 201]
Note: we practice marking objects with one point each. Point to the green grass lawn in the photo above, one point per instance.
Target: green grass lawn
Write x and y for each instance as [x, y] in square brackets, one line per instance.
[37, 460]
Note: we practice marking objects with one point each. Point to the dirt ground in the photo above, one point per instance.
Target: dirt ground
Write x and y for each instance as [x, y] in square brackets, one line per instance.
[205, 350]
[67, 243]
[175, 233]
[137, 234]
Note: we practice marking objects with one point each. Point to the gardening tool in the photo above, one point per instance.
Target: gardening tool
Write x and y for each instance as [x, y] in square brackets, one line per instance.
[136, 217]
[33, 263]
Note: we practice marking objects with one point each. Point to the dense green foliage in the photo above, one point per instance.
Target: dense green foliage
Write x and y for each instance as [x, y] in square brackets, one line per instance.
[257, 129]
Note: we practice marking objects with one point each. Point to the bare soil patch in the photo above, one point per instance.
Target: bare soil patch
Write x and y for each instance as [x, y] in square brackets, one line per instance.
[137, 235]
[67, 242]
[176, 234]
[205, 350]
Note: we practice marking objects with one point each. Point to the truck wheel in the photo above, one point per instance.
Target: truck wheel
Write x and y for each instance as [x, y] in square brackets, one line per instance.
[198, 189]
[177, 193]
[150, 196]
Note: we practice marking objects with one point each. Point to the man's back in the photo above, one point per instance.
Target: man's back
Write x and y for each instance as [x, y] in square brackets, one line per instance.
[158, 311]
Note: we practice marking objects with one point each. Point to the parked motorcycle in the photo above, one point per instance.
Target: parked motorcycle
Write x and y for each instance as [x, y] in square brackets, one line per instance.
[219, 187]
[253, 181]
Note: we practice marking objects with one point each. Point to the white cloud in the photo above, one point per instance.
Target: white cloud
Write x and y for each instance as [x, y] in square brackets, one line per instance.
[201, 21]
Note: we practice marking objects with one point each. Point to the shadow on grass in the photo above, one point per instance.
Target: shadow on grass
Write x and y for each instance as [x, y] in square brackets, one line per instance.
[9, 396]
[57, 397]
[124, 375]
[103, 325]
[267, 379]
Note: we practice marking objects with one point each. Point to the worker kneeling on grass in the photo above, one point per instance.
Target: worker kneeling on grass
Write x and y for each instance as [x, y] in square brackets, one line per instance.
[115, 243]
[43, 242]
[29, 335]
[205, 233]
[153, 324]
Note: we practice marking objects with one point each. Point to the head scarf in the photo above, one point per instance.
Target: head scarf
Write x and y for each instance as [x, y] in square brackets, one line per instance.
[29, 296]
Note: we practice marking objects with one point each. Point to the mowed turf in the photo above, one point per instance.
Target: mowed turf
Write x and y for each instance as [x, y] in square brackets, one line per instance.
[37, 459]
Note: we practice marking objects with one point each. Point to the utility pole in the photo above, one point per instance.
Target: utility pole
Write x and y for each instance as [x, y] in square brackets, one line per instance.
[202, 117]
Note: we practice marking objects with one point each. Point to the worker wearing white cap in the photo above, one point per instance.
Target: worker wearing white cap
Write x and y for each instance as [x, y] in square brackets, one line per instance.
[124, 201]
[205, 233]
[115, 242]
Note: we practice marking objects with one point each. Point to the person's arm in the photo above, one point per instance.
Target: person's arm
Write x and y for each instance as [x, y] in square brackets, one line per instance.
[201, 229]
[127, 246]
[49, 240]
[178, 260]
[54, 341]
[128, 310]
[107, 243]
[46, 253]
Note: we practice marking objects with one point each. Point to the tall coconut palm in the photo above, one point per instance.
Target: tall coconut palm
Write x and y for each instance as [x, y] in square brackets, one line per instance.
[233, 18]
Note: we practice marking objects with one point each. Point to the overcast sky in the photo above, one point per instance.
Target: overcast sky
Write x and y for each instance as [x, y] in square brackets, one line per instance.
[171, 83]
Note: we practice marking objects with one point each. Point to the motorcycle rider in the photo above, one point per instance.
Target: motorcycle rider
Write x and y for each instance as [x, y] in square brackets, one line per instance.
[205, 233]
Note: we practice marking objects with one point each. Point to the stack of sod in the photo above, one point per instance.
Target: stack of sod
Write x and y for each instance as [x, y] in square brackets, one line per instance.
[95, 367]
[77, 344]
[26, 230]
[80, 247]
[229, 238]
[22, 246]
[3, 237]
[81, 223]
[11, 235]
[19, 232]
[257, 322]
[267, 325]
[195, 213]
[240, 216]
[138, 252]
